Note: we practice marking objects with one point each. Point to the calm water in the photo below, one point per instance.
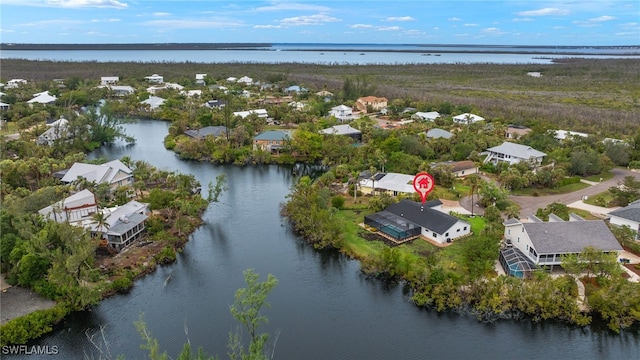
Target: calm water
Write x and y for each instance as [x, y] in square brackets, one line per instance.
[334, 54]
[323, 307]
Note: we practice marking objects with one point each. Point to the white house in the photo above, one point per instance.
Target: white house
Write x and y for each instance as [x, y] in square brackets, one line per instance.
[191, 93]
[57, 130]
[77, 207]
[155, 79]
[564, 134]
[467, 118]
[514, 153]
[121, 90]
[408, 219]
[232, 79]
[297, 105]
[627, 216]
[391, 183]
[245, 80]
[262, 113]
[109, 80]
[200, 79]
[114, 173]
[342, 113]
[544, 243]
[460, 168]
[154, 102]
[426, 116]
[124, 224]
[42, 98]
[14, 83]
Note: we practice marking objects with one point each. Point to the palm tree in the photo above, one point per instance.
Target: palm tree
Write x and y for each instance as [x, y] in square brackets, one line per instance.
[474, 182]
[101, 220]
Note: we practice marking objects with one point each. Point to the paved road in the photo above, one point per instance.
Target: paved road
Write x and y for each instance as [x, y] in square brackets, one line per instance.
[530, 204]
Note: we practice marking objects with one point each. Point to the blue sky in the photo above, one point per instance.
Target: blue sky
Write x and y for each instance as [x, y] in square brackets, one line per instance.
[512, 22]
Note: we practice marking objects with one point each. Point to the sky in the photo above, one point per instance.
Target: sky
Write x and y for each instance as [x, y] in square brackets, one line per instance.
[512, 22]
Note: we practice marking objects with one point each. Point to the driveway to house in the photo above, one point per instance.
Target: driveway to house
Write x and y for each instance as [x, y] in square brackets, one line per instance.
[530, 204]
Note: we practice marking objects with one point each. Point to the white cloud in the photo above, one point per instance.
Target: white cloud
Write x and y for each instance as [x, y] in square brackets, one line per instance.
[53, 22]
[267, 27]
[375, 27]
[436, 28]
[361, 26]
[454, 19]
[6, 31]
[87, 3]
[544, 12]
[521, 19]
[159, 13]
[602, 18]
[626, 33]
[292, 6]
[402, 18]
[318, 19]
[193, 24]
[414, 32]
[389, 28]
[558, 27]
[493, 31]
[469, 25]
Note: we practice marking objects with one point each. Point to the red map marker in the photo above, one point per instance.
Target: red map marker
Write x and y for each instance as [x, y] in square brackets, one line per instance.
[424, 184]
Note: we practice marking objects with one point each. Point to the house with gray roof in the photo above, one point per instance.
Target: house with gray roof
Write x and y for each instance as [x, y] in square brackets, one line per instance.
[439, 133]
[408, 219]
[154, 102]
[426, 116]
[627, 216]
[345, 129]
[272, 140]
[77, 207]
[514, 153]
[545, 243]
[200, 134]
[114, 173]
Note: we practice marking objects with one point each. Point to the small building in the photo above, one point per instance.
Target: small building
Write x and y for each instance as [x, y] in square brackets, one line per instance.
[391, 183]
[627, 216]
[565, 134]
[56, 130]
[346, 130]
[245, 80]
[295, 89]
[114, 173]
[534, 74]
[545, 243]
[514, 153]
[342, 113]
[466, 119]
[192, 93]
[297, 105]
[121, 90]
[325, 93]
[154, 102]
[200, 134]
[438, 134]
[215, 104]
[200, 79]
[4, 106]
[461, 168]
[426, 116]
[15, 83]
[109, 80]
[408, 219]
[154, 79]
[261, 113]
[77, 207]
[516, 131]
[373, 102]
[272, 141]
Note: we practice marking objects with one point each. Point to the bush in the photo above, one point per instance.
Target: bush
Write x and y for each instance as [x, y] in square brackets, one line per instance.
[166, 256]
[31, 326]
[122, 284]
[635, 164]
[337, 202]
[568, 180]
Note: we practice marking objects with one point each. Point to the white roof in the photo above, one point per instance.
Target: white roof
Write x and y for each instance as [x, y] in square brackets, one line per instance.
[43, 98]
[340, 130]
[563, 134]
[200, 76]
[463, 117]
[126, 88]
[98, 173]
[341, 108]
[244, 114]
[192, 92]
[431, 115]
[393, 182]
[517, 150]
[84, 197]
[116, 78]
[60, 122]
[153, 101]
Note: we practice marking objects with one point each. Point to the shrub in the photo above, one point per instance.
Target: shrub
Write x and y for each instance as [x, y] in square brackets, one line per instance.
[31, 326]
[337, 202]
[122, 284]
[166, 256]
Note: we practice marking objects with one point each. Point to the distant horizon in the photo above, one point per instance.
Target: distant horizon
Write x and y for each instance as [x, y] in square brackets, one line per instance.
[608, 23]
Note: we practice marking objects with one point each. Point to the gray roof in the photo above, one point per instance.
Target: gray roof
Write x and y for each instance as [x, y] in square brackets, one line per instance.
[571, 236]
[205, 131]
[341, 130]
[439, 133]
[424, 216]
[125, 224]
[629, 212]
[98, 173]
[273, 135]
[517, 150]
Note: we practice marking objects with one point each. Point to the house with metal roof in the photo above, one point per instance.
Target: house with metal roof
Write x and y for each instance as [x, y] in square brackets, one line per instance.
[124, 224]
[545, 243]
[342, 113]
[345, 130]
[262, 113]
[154, 102]
[426, 116]
[466, 119]
[627, 216]
[77, 207]
[438, 133]
[155, 79]
[114, 173]
[514, 153]
[271, 140]
[109, 80]
[406, 220]
[391, 183]
[200, 134]
[460, 168]
[42, 98]
[215, 104]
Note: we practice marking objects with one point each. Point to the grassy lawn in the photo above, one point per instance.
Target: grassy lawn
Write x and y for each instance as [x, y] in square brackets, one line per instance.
[600, 199]
[543, 192]
[604, 176]
[584, 214]
[9, 127]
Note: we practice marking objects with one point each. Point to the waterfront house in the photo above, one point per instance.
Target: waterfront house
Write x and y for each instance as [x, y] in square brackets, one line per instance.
[109, 80]
[114, 173]
[154, 79]
[390, 183]
[426, 116]
[345, 130]
[124, 224]
[514, 153]
[545, 243]
[342, 113]
[627, 216]
[371, 102]
[154, 102]
[56, 130]
[516, 131]
[438, 134]
[408, 219]
[77, 207]
[272, 141]
[466, 119]
[200, 134]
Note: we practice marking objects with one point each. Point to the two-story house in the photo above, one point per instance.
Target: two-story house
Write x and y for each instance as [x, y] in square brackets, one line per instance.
[512, 153]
